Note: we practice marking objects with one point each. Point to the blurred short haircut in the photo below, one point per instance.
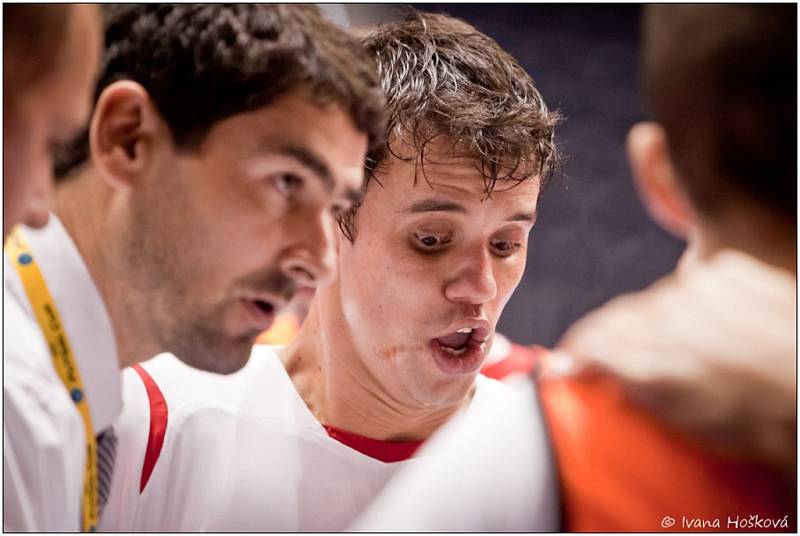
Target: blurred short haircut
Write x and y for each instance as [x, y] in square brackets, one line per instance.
[202, 63]
[722, 80]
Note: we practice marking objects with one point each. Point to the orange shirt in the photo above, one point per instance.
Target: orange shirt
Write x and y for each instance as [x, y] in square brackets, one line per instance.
[621, 469]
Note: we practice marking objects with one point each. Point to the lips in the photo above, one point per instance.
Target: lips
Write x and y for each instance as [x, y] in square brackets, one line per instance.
[462, 348]
[455, 341]
[260, 312]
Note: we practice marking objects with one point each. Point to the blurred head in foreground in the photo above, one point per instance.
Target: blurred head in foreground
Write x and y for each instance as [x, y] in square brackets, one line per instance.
[50, 58]
[699, 369]
[711, 348]
[719, 164]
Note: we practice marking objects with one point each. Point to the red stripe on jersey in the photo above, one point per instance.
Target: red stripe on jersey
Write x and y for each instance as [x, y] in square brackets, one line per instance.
[385, 451]
[158, 424]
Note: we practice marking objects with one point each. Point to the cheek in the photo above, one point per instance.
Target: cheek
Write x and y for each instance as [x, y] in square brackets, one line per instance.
[366, 281]
[507, 279]
[378, 288]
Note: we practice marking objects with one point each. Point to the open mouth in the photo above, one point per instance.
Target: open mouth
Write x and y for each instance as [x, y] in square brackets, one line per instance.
[261, 313]
[460, 352]
[265, 306]
[455, 343]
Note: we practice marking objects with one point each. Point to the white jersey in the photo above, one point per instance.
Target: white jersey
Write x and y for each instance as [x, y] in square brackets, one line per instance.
[204, 452]
[44, 440]
[492, 472]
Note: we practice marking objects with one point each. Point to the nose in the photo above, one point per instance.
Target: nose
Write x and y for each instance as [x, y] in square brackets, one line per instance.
[474, 281]
[311, 259]
[36, 212]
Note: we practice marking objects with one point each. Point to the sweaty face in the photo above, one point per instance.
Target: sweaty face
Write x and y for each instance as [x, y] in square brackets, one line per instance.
[39, 117]
[433, 265]
[222, 236]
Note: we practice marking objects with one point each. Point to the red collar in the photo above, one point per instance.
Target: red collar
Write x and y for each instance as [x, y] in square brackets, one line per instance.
[385, 451]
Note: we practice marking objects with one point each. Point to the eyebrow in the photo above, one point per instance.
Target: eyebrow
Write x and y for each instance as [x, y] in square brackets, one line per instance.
[529, 217]
[437, 205]
[311, 161]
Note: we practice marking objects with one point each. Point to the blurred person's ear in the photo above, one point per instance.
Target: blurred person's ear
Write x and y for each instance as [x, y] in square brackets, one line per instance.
[656, 179]
[123, 133]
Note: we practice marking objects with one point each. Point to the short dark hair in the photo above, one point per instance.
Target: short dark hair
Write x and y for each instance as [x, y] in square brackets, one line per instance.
[722, 80]
[202, 63]
[442, 77]
[32, 37]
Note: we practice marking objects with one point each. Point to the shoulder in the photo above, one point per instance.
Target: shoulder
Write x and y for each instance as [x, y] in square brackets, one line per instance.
[25, 350]
[170, 414]
[182, 385]
[33, 395]
[501, 410]
[492, 395]
[493, 464]
[669, 463]
[167, 394]
[505, 424]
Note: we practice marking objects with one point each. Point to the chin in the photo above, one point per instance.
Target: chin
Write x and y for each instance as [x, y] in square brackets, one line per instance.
[220, 358]
[443, 392]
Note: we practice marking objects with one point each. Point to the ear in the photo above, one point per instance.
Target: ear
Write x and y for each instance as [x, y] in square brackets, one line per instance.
[656, 180]
[122, 133]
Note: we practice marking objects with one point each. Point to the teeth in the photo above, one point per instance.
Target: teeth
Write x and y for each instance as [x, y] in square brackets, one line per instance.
[453, 351]
[464, 330]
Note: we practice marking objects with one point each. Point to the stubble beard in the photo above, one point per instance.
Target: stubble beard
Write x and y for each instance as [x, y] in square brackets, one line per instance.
[162, 302]
[200, 342]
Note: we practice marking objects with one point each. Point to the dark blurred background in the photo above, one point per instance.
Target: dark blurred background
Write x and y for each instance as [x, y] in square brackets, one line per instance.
[592, 239]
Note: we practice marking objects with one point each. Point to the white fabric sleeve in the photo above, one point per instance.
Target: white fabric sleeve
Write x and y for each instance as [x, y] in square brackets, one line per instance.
[488, 471]
[43, 454]
[132, 428]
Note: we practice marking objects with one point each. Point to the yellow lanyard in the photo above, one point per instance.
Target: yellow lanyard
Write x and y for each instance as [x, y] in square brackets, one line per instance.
[18, 252]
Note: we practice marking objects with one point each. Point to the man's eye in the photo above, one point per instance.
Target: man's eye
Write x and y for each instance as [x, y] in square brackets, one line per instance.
[287, 184]
[430, 242]
[504, 248]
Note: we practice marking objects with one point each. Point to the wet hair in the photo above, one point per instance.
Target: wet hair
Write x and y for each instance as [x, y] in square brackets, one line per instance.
[202, 63]
[722, 80]
[32, 38]
[444, 79]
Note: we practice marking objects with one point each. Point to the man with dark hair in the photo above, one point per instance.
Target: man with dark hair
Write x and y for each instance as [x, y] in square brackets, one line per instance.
[223, 139]
[304, 436]
[673, 408]
[50, 58]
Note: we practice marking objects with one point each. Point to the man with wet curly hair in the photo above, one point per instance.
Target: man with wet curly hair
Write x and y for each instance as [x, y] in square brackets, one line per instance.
[306, 435]
[223, 139]
[673, 408]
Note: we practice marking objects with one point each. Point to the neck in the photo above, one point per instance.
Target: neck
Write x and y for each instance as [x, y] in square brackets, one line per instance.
[341, 392]
[768, 239]
[86, 207]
